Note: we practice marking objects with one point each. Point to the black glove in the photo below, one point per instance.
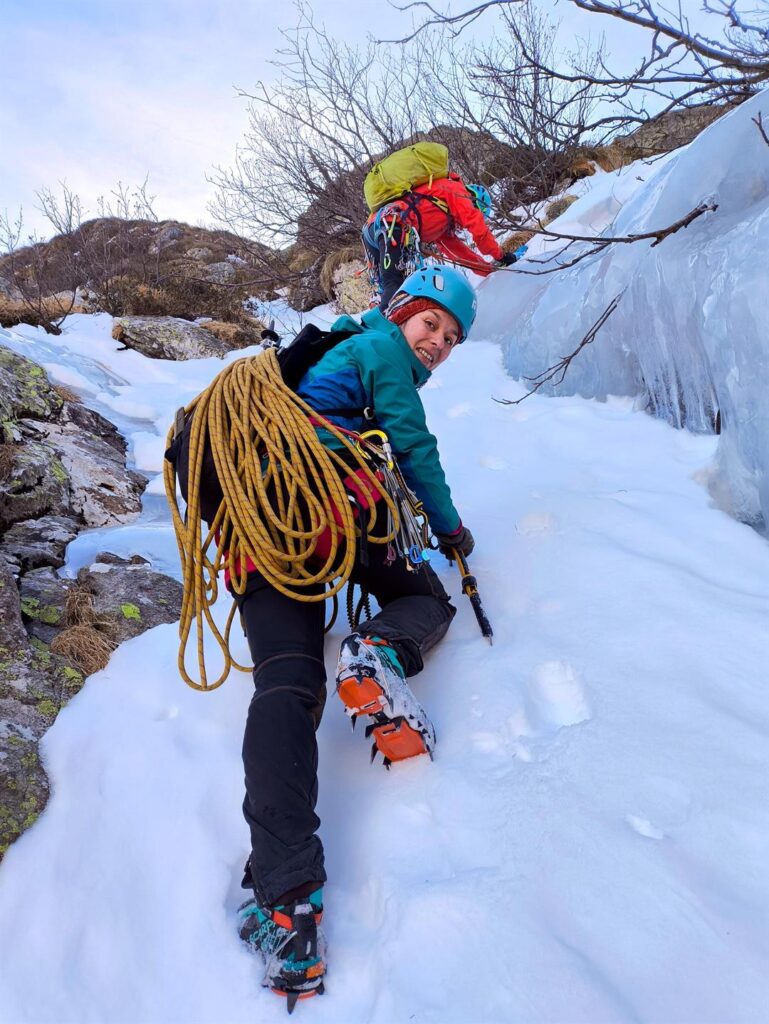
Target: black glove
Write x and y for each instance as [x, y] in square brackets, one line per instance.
[508, 258]
[461, 539]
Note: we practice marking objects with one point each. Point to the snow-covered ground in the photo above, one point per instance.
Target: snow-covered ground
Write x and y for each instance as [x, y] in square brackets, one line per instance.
[590, 844]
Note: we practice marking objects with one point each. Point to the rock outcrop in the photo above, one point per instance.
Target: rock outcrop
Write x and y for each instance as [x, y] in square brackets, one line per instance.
[166, 337]
[62, 469]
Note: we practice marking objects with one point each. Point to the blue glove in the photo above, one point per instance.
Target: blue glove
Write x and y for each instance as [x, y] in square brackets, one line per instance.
[521, 251]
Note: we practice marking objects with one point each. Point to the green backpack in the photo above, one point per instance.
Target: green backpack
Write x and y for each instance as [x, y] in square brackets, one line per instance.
[402, 170]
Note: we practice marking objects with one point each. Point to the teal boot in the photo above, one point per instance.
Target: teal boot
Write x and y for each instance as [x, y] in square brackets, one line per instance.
[291, 943]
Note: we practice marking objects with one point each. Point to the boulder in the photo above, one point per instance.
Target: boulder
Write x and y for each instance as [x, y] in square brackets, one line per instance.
[36, 483]
[24, 390]
[130, 594]
[220, 273]
[34, 684]
[34, 543]
[352, 288]
[102, 492]
[166, 337]
[166, 235]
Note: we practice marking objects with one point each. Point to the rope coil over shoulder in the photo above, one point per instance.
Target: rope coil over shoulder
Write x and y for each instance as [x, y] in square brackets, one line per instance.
[282, 491]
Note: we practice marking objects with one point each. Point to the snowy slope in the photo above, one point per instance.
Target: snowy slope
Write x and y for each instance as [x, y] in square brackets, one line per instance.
[690, 329]
[590, 844]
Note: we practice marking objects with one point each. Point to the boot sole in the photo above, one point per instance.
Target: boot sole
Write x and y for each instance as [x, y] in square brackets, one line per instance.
[394, 738]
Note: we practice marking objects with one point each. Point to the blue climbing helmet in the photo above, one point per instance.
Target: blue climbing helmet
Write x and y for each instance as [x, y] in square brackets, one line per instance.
[448, 288]
[481, 198]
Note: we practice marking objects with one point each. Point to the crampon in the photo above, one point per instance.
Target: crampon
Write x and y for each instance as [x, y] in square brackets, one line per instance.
[370, 681]
[291, 943]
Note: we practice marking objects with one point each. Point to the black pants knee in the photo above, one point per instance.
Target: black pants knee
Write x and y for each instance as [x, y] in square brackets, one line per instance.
[280, 753]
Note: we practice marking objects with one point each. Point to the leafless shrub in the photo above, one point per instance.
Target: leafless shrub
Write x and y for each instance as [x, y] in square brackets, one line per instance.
[724, 64]
[335, 110]
[27, 272]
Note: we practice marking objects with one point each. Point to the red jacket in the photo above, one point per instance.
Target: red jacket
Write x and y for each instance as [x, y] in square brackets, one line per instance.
[436, 222]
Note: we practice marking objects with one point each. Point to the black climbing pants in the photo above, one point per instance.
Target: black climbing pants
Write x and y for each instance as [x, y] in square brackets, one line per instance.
[386, 254]
[280, 753]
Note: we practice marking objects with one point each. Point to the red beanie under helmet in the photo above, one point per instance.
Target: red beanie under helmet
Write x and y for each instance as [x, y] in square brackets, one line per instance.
[399, 313]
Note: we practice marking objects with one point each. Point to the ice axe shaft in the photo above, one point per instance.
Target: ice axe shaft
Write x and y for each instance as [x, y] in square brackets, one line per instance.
[470, 587]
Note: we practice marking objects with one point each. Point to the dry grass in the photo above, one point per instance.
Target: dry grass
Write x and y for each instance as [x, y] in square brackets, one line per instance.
[13, 313]
[560, 206]
[87, 641]
[65, 394]
[236, 335]
[87, 647]
[517, 240]
[7, 455]
[78, 607]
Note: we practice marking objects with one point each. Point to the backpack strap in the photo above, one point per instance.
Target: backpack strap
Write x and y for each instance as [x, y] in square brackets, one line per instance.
[412, 201]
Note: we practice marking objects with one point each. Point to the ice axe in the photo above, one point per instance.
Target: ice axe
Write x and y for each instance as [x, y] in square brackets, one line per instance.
[470, 587]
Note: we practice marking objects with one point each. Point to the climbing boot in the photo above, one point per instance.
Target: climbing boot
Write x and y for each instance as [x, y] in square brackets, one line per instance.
[370, 681]
[289, 939]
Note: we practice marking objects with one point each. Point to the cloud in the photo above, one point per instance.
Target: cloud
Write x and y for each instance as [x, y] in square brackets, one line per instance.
[94, 93]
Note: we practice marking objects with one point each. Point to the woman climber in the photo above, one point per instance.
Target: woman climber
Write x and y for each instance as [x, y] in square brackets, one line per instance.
[369, 379]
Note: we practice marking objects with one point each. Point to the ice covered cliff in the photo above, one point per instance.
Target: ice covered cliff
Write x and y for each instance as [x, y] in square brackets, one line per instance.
[690, 336]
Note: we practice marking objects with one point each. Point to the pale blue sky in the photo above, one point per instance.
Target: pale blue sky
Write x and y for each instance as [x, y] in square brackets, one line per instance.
[96, 91]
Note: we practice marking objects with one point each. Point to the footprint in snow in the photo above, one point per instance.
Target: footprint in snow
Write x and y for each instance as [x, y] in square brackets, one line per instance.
[537, 524]
[555, 699]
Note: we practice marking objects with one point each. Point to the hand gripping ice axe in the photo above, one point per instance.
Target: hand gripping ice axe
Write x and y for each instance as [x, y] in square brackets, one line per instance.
[470, 587]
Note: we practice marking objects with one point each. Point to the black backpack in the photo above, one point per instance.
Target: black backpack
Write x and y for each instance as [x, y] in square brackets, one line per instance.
[295, 359]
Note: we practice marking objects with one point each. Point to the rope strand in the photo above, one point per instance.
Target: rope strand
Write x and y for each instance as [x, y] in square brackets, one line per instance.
[283, 490]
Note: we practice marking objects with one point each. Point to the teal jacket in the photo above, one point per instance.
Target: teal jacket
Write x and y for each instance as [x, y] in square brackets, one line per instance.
[376, 369]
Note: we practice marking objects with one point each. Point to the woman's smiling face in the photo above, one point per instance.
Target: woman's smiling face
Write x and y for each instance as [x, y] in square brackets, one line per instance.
[431, 335]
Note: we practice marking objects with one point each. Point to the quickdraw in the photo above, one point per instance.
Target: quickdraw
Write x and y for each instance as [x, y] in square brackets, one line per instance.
[412, 532]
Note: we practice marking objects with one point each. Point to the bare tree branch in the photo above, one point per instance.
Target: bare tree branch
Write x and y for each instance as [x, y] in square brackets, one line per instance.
[563, 364]
[758, 121]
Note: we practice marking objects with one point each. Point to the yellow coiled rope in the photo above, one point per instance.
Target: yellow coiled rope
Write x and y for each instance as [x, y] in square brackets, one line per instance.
[280, 485]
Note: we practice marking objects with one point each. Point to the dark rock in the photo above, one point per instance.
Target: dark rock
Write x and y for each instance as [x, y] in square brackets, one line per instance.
[110, 558]
[23, 782]
[94, 423]
[35, 543]
[131, 595]
[36, 484]
[34, 684]
[42, 598]
[24, 391]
